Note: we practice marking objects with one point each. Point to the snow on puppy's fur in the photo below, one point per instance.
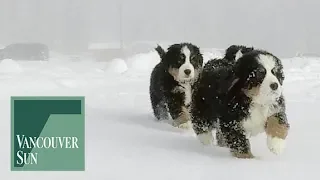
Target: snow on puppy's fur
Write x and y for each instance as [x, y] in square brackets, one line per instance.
[243, 100]
[172, 82]
[215, 70]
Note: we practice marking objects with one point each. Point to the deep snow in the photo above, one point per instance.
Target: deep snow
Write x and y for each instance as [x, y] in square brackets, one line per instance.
[123, 141]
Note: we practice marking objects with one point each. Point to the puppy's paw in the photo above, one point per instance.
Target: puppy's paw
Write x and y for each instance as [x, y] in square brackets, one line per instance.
[206, 138]
[239, 155]
[276, 145]
[186, 126]
[220, 141]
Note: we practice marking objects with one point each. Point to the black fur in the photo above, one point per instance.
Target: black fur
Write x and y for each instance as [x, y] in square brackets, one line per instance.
[209, 86]
[164, 88]
[229, 58]
[219, 101]
[233, 49]
[160, 51]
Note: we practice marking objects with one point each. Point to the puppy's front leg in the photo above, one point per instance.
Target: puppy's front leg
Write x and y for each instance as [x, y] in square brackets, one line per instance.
[277, 131]
[277, 128]
[203, 132]
[178, 111]
[236, 139]
[183, 120]
[220, 138]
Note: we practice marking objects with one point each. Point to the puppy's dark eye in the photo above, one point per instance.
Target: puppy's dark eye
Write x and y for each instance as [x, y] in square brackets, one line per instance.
[273, 71]
[259, 73]
[181, 59]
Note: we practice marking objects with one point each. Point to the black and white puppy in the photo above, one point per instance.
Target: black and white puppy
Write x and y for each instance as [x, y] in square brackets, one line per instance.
[172, 82]
[214, 72]
[240, 101]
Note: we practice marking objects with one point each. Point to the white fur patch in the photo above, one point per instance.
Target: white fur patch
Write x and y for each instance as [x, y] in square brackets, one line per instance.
[186, 65]
[258, 114]
[238, 55]
[255, 123]
[276, 145]
[206, 138]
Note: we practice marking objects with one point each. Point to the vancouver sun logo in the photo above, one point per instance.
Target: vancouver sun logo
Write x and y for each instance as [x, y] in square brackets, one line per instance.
[47, 134]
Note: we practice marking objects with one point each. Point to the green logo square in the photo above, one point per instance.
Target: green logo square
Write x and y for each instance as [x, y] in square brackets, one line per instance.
[47, 133]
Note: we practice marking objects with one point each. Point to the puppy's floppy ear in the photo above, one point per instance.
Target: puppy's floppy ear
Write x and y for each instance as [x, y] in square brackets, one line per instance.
[234, 52]
[240, 81]
[231, 52]
[234, 88]
[160, 51]
[248, 82]
[233, 83]
[246, 49]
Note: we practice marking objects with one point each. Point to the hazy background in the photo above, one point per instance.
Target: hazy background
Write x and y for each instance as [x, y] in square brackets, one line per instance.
[281, 26]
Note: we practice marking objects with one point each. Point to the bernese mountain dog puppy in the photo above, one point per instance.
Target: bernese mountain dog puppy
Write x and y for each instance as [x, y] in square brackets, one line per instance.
[172, 82]
[232, 54]
[239, 100]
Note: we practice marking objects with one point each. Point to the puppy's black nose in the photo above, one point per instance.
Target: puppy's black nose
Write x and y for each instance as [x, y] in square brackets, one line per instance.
[274, 86]
[187, 71]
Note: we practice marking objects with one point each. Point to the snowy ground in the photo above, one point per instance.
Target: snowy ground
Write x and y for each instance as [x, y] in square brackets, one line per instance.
[124, 142]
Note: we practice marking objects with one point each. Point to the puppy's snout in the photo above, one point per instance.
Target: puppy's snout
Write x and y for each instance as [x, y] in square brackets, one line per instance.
[274, 86]
[187, 71]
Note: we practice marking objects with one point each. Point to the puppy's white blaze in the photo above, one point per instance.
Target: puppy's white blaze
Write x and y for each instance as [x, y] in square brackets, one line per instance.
[266, 94]
[206, 138]
[186, 65]
[186, 52]
[276, 145]
[238, 55]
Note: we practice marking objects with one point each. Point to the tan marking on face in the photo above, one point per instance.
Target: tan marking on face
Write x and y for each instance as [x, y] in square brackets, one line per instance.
[174, 72]
[275, 129]
[252, 92]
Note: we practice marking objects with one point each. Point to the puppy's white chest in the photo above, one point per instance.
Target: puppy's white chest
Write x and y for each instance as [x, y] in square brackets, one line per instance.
[255, 123]
[187, 94]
